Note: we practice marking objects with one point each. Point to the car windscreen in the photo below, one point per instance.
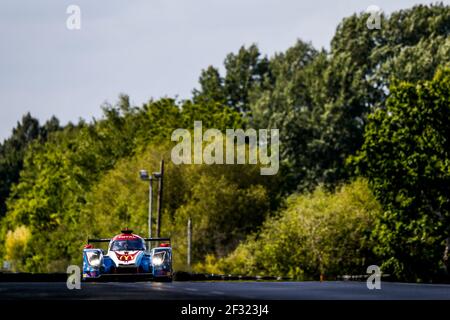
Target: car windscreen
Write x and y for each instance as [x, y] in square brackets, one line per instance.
[122, 245]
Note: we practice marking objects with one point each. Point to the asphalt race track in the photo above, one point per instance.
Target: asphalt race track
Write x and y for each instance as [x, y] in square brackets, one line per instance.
[223, 290]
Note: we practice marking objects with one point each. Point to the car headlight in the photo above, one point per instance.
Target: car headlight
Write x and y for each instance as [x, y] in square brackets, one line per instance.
[94, 258]
[158, 258]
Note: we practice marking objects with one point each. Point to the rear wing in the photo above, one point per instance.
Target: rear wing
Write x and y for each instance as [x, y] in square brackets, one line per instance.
[98, 240]
[145, 239]
[157, 239]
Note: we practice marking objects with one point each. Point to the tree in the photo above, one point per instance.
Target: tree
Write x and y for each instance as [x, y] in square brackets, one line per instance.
[62, 175]
[13, 149]
[292, 104]
[321, 233]
[53, 179]
[246, 71]
[211, 87]
[361, 66]
[321, 100]
[406, 158]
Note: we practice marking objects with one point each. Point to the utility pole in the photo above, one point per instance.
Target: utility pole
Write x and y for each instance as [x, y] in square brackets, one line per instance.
[146, 177]
[160, 194]
[189, 242]
[150, 206]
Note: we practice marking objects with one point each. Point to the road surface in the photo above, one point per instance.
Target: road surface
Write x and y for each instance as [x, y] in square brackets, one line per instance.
[223, 290]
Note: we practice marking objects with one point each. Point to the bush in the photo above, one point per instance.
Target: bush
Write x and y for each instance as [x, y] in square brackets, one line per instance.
[15, 246]
[320, 233]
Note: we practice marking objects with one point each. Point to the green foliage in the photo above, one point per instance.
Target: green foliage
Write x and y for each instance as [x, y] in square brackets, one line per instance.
[320, 100]
[246, 72]
[74, 169]
[225, 203]
[46, 200]
[12, 152]
[211, 87]
[15, 246]
[61, 185]
[406, 157]
[290, 105]
[318, 233]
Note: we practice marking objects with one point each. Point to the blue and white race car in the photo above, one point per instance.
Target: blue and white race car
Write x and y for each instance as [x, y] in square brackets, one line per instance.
[127, 255]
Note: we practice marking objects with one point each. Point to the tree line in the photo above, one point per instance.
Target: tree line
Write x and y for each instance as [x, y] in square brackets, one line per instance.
[364, 162]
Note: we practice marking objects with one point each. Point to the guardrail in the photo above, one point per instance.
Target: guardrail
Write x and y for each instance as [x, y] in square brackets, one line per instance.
[189, 276]
[361, 277]
[32, 277]
[177, 276]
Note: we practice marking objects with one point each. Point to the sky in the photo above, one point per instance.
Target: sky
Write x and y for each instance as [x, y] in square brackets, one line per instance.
[143, 48]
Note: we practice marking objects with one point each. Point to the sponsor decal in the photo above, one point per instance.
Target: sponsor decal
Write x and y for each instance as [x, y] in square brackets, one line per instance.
[126, 257]
[126, 237]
